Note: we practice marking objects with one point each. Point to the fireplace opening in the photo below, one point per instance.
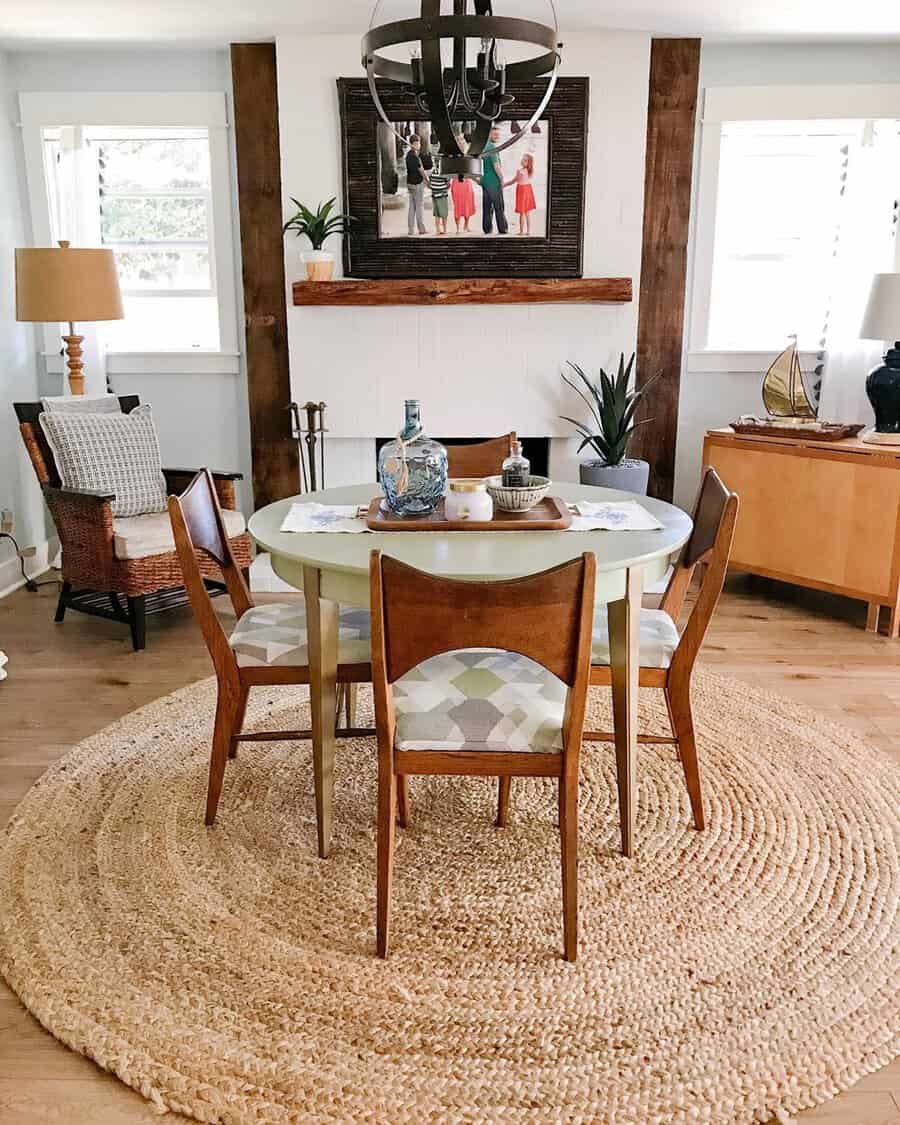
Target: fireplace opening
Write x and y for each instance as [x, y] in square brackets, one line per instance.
[536, 449]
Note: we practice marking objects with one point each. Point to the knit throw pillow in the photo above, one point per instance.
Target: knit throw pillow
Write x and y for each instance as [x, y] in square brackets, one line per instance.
[117, 453]
[81, 404]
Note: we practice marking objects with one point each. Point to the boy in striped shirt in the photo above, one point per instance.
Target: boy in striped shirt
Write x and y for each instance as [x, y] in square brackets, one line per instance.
[440, 200]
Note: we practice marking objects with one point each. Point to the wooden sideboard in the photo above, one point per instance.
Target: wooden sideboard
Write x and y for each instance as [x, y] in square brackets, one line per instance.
[825, 515]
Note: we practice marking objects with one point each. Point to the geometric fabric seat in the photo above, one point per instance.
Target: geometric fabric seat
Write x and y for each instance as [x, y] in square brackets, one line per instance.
[275, 634]
[658, 638]
[479, 699]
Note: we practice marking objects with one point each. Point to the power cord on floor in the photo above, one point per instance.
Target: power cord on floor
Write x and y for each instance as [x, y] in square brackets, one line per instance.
[30, 583]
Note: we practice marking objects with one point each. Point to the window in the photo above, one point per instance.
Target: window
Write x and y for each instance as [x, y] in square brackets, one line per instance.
[779, 209]
[777, 225]
[157, 195]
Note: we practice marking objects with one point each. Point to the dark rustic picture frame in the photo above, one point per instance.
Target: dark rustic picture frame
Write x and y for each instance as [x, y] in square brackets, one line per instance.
[559, 254]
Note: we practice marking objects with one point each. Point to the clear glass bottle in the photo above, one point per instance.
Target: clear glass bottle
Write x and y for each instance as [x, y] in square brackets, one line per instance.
[516, 469]
[412, 468]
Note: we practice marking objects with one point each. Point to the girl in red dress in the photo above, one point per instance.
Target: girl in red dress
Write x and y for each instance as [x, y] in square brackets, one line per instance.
[525, 203]
[463, 196]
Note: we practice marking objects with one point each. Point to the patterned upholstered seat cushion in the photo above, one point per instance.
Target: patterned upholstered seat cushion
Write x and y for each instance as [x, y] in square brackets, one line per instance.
[659, 638]
[478, 699]
[276, 634]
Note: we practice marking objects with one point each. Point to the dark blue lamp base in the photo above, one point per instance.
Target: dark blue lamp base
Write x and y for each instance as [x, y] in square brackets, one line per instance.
[883, 389]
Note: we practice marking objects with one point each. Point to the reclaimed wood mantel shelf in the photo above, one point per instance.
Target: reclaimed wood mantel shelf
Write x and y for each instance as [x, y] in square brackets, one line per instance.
[468, 291]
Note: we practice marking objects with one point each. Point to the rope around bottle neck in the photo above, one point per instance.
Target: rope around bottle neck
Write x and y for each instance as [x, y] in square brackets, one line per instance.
[403, 475]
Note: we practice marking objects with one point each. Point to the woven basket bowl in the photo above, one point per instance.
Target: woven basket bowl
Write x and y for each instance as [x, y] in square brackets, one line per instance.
[517, 499]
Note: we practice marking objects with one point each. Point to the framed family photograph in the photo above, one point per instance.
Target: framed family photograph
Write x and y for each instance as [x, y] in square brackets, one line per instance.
[522, 216]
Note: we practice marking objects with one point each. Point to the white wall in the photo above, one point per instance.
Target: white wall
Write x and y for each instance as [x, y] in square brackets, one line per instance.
[18, 377]
[202, 418]
[483, 369]
[713, 398]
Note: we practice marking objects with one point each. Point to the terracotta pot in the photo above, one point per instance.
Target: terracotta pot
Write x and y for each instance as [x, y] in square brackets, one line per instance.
[319, 264]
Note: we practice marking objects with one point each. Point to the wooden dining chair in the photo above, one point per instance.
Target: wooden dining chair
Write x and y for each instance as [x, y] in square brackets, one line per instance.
[447, 702]
[667, 659]
[480, 459]
[269, 642]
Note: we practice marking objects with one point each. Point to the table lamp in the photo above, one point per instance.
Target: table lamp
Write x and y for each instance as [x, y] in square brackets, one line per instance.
[59, 284]
[882, 322]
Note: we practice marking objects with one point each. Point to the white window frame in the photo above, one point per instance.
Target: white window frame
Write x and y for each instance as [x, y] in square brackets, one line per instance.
[44, 110]
[758, 103]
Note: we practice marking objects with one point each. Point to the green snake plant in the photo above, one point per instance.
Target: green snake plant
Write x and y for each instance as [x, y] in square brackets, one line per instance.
[612, 406]
[319, 224]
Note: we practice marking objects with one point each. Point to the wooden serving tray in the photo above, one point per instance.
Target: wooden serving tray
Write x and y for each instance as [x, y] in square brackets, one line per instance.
[549, 514]
[825, 431]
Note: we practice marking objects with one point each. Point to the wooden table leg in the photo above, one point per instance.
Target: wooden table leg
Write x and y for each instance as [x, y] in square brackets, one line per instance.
[624, 651]
[322, 634]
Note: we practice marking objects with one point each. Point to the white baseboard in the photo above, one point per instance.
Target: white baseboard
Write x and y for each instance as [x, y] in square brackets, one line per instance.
[10, 571]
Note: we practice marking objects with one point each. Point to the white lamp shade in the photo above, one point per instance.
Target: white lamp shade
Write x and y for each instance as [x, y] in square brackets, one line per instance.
[882, 317]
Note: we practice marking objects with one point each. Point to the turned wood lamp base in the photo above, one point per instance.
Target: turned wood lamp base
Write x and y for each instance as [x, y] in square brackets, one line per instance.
[74, 361]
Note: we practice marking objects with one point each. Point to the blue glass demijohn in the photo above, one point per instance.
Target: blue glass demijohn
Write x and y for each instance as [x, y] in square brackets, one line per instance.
[413, 467]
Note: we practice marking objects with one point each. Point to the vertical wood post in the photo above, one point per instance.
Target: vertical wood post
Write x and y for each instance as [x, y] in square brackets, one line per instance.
[672, 105]
[273, 449]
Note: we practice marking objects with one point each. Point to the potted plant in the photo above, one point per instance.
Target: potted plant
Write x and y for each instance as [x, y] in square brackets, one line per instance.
[612, 406]
[317, 226]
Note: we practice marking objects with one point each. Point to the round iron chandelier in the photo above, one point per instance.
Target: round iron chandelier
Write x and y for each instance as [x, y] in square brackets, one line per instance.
[459, 69]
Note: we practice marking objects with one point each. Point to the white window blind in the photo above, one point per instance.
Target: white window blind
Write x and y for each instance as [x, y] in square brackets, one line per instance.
[778, 219]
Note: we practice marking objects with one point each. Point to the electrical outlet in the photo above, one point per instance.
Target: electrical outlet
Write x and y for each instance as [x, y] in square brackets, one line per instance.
[6, 521]
[27, 552]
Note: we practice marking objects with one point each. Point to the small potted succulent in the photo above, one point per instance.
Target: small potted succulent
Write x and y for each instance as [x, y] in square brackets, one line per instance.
[317, 226]
[612, 405]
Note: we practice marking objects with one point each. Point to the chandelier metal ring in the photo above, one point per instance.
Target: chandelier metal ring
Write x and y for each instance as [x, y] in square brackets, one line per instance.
[475, 93]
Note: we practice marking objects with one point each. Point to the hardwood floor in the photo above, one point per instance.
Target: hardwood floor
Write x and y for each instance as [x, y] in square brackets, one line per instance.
[66, 682]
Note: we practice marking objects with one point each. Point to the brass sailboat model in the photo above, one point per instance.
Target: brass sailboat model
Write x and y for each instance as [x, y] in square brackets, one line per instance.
[784, 391]
[789, 405]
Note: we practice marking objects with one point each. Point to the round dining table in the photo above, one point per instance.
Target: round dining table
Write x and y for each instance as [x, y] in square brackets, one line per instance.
[332, 569]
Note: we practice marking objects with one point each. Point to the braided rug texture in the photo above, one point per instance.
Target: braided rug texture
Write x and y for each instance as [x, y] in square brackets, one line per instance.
[736, 975]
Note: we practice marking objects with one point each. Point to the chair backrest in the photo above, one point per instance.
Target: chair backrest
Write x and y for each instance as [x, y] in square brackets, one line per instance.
[479, 459]
[715, 516]
[198, 527]
[36, 443]
[546, 617]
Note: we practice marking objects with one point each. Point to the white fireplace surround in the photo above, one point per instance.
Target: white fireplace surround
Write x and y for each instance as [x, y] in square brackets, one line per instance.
[478, 369]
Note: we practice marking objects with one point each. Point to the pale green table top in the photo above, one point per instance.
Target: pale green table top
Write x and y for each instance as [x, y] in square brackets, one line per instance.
[470, 554]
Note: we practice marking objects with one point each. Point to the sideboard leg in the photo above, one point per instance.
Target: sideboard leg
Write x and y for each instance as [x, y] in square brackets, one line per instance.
[894, 631]
[872, 617]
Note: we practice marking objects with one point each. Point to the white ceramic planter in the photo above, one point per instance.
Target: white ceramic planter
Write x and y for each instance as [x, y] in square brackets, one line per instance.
[319, 264]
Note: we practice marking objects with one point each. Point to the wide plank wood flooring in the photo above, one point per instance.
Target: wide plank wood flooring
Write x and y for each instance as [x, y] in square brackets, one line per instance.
[66, 682]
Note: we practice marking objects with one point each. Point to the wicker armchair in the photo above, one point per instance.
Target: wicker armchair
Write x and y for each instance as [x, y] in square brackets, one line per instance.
[107, 568]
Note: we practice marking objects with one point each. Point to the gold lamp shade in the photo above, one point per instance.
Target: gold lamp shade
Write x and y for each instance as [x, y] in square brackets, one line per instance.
[62, 284]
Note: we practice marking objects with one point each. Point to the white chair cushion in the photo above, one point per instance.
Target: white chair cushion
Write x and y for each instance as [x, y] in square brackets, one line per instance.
[276, 634]
[138, 537]
[659, 638]
[479, 699]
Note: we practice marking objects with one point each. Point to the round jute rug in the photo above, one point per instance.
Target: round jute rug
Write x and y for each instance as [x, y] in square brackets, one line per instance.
[736, 975]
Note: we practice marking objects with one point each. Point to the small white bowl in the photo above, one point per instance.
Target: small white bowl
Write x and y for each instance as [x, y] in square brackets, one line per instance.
[517, 499]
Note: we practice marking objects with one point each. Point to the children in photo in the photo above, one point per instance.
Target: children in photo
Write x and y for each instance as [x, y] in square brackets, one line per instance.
[440, 200]
[525, 203]
[463, 195]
